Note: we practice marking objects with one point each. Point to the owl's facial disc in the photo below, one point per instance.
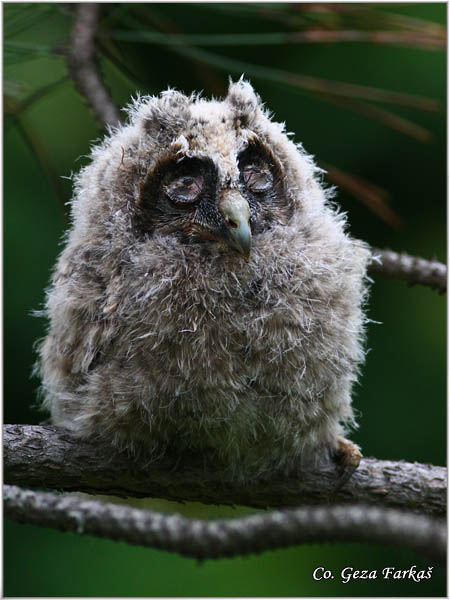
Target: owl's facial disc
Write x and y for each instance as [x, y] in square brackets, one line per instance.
[186, 197]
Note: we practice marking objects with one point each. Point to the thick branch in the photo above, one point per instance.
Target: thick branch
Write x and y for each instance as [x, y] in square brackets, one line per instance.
[48, 457]
[413, 269]
[225, 538]
[83, 67]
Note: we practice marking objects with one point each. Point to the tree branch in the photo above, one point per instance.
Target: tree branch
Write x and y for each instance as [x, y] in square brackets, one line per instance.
[413, 269]
[230, 537]
[49, 457]
[83, 66]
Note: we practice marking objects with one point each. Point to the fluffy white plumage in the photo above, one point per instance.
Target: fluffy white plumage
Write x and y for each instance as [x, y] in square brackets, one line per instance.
[162, 341]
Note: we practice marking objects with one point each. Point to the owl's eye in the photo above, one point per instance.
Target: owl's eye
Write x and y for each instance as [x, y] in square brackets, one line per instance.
[184, 190]
[257, 179]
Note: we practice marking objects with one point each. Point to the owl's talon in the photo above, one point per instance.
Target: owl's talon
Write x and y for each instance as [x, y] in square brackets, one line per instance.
[348, 453]
[347, 456]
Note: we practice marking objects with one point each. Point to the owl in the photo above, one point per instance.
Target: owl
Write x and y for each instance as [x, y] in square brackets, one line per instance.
[208, 300]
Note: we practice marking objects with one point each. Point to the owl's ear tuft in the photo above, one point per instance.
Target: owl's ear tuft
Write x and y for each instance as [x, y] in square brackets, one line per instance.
[243, 98]
[165, 115]
[172, 99]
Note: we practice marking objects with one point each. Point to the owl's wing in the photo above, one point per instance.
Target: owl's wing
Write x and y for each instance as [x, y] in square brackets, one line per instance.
[80, 306]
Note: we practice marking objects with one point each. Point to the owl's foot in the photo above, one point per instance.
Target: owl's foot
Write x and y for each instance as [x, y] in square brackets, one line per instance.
[347, 456]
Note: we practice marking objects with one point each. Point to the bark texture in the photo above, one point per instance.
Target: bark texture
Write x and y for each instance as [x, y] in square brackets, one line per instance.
[412, 269]
[203, 539]
[49, 457]
[83, 65]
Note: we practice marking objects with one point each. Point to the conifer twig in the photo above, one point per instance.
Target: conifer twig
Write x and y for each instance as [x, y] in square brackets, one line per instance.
[83, 65]
[413, 269]
[203, 539]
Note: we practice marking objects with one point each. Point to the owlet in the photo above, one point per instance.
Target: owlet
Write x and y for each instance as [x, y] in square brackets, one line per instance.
[208, 299]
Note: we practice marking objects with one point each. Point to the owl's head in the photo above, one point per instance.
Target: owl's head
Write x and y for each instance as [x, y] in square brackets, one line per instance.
[204, 171]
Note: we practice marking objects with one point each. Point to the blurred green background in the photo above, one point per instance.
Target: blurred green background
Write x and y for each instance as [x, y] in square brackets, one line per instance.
[47, 133]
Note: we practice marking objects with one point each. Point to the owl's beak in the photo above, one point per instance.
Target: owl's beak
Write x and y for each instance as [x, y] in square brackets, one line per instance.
[236, 212]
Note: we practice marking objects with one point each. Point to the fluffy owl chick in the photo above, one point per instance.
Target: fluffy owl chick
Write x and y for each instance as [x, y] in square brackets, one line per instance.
[208, 299]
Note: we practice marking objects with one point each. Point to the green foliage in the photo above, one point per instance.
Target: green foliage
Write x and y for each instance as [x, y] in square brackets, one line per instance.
[364, 107]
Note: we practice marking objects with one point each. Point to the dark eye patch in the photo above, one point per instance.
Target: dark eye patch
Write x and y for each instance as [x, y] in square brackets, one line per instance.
[263, 184]
[180, 182]
[257, 179]
[258, 169]
[183, 181]
[186, 189]
[174, 192]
